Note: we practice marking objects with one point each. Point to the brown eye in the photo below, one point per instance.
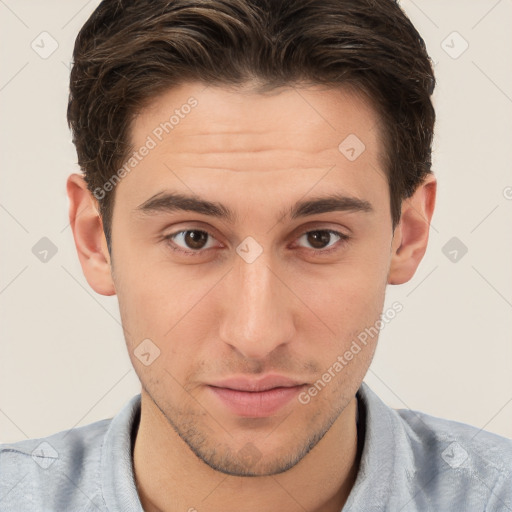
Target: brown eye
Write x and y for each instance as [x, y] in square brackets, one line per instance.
[189, 241]
[318, 239]
[322, 240]
[195, 239]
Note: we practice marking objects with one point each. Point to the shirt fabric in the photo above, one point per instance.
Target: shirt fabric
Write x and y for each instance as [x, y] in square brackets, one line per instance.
[410, 462]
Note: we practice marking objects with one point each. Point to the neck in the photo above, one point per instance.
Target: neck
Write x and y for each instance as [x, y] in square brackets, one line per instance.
[171, 478]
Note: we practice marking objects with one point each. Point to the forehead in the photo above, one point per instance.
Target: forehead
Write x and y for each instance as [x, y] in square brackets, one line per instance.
[215, 139]
[295, 113]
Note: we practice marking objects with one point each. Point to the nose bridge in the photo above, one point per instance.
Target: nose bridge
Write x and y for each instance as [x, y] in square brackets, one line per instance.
[256, 320]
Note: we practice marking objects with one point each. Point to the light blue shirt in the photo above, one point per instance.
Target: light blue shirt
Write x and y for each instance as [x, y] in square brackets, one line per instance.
[411, 462]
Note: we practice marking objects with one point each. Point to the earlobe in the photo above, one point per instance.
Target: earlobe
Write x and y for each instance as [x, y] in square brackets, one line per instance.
[88, 234]
[411, 235]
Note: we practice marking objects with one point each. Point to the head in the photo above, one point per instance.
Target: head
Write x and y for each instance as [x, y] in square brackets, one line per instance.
[255, 173]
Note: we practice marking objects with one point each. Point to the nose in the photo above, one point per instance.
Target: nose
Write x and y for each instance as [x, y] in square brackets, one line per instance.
[257, 313]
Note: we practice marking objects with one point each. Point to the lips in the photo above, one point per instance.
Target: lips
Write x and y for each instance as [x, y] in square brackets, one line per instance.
[255, 398]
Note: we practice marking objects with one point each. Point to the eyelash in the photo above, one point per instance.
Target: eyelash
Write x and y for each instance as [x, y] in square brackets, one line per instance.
[343, 239]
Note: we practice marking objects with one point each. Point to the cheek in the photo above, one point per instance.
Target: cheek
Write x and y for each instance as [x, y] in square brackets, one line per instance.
[159, 302]
[350, 306]
[348, 292]
[347, 301]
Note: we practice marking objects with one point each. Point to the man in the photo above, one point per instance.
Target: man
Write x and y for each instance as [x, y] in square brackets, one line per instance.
[255, 174]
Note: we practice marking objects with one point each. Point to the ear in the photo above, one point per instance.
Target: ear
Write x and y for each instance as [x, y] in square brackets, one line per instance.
[90, 241]
[411, 235]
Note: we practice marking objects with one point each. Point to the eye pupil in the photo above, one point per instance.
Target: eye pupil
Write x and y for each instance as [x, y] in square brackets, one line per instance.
[196, 239]
[322, 237]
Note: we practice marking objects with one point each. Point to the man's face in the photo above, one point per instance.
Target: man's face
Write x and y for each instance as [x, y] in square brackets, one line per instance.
[259, 294]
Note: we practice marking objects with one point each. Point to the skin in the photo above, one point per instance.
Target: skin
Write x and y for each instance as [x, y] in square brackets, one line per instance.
[213, 315]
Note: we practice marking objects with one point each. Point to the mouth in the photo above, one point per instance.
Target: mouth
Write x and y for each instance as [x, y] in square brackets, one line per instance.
[255, 398]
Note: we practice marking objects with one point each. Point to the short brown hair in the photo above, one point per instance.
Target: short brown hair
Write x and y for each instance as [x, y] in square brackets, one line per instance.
[130, 51]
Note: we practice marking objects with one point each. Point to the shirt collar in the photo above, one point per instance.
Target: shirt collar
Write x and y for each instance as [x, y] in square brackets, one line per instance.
[385, 470]
[386, 467]
[117, 474]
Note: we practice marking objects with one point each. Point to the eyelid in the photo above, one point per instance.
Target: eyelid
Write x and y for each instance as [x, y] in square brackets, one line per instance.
[169, 239]
[343, 238]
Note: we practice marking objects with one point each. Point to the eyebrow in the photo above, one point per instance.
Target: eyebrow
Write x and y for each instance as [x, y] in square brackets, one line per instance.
[167, 202]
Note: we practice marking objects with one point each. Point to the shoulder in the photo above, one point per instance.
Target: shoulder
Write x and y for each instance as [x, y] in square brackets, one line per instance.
[478, 442]
[460, 461]
[424, 463]
[50, 471]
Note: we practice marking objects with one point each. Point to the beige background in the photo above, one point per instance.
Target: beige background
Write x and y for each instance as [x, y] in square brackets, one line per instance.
[63, 360]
